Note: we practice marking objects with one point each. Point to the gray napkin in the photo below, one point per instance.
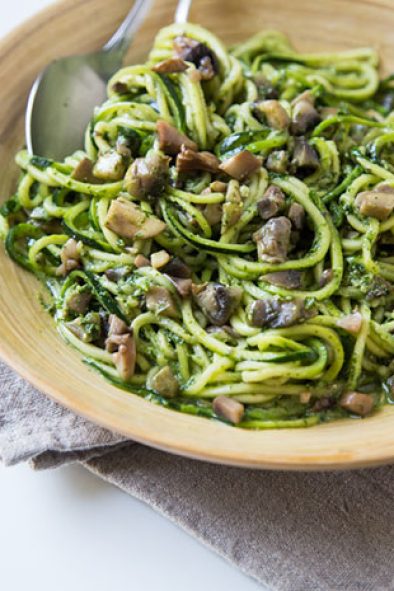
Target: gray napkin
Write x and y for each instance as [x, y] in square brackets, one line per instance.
[291, 531]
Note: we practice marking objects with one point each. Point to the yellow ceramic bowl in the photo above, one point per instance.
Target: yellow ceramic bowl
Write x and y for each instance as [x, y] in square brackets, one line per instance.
[28, 339]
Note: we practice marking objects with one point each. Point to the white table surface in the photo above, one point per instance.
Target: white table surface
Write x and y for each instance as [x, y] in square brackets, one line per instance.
[66, 530]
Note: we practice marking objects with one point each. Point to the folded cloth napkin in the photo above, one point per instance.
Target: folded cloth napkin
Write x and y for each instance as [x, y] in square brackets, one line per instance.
[291, 531]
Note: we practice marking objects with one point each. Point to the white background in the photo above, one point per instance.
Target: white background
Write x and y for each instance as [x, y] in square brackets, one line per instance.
[66, 530]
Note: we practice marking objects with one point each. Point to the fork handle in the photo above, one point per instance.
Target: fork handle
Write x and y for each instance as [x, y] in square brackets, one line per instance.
[121, 40]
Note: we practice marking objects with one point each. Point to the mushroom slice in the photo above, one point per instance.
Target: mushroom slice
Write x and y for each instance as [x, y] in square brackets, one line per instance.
[357, 402]
[126, 219]
[217, 301]
[326, 277]
[277, 161]
[147, 176]
[213, 213]
[160, 301]
[229, 409]
[305, 158]
[241, 165]
[272, 202]
[288, 279]
[183, 286]
[141, 261]
[125, 358]
[304, 117]
[177, 268]
[273, 240]
[110, 166]
[276, 116]
[70, 256]
[276, 313]
[197, 53]
[83, 172]
[159, 259]
[171, 139]
[378, 204]
[296, 215]
[351, 323]
[78, 300]
[189, 161]
[165, 383]
[173, 65]
[116, 325]
[117, 273]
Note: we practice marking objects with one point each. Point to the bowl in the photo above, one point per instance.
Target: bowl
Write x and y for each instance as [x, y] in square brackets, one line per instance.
[29, 341]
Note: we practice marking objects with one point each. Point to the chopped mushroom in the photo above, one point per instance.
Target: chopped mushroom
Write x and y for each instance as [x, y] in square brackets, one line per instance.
[159, 259]
[213, 213]
[171, 139]
[296, 215]
[126, 219]
[304, 117]
[199, 54]
[357, 402]
[120, 88]
[306, 95]
[183, 286]
[117, 325]
[117, 331]
[117, 273]
[125, 358]
[378, 203]
[177, 268]
[288, 279]
[217, 301]
[78, 300]
[86, 328]
[272, 202]
[273, 240]
[165, 383]
[70, 256]
[110, 166]
[276, 313]
[229, 409]
[147, 176]
[113, 342]
[265, 88]
[275, 115]
[241, 165]
[83, 172]
[326, 277]
[305, 158]
[141, 261]
[323, 403]
[351, 323]
[173, 65]
[189, 161]
[278, 161]
[160, 301]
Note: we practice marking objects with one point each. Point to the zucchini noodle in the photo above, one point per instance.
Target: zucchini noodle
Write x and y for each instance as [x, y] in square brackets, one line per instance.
[224, 244]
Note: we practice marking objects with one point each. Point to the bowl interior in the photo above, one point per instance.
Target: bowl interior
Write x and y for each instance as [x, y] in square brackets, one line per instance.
[28, 339]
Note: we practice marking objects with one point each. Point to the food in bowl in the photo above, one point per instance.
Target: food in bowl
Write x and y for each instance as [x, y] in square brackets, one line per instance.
[223, 245]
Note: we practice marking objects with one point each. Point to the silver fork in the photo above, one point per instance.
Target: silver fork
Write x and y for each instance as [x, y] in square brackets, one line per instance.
[64, 95]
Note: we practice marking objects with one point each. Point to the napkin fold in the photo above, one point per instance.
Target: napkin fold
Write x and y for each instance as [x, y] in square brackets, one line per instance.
[290, 531]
